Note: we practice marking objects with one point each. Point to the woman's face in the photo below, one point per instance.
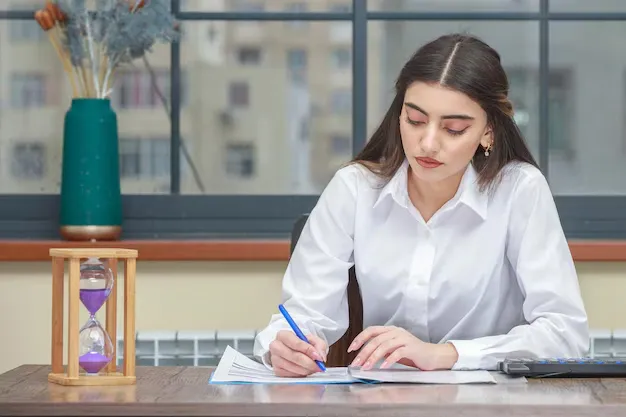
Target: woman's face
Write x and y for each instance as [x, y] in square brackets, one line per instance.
[441, 130]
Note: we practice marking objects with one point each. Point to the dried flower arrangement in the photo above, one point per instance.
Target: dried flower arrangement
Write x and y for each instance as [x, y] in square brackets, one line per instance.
[92, 43]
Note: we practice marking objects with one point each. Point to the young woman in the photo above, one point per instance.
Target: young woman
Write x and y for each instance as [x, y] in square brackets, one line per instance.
[451, 227]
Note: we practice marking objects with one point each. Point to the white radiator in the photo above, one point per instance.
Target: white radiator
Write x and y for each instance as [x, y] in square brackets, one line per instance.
[205, 348]
[187, 348]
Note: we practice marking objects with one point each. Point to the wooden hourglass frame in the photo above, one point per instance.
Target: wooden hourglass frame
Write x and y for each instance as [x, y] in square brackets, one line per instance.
[109, 375]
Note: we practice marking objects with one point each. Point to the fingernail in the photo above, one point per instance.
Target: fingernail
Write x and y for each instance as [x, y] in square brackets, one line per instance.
[317, 356]
[384, 364]
[356, 361]
[367, 366]
[352, 346]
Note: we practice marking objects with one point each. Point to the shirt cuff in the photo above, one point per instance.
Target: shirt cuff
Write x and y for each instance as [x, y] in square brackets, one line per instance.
[470, 357]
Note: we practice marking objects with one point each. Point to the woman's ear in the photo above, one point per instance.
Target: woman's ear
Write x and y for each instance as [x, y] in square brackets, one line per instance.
[487, 140]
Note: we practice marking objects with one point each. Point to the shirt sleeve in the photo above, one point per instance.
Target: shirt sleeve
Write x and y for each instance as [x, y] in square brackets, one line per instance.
[556, 321]
[314, 287]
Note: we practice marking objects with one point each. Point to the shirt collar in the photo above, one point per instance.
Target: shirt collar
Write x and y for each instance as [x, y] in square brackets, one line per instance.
[396, 187]
[468, 193]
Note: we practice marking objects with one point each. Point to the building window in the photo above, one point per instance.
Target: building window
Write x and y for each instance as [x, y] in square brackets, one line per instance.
[240, 160]
[297, 62]
[525, 99]
[249, 56]
[341, 31]
[246, 5]
[296, 8]
[239, 94]
[341, 101]
[135, 89]
[145, 158]
[25, 30]
[28, 161]
[341, 58]
[28, 90]
[341, 144]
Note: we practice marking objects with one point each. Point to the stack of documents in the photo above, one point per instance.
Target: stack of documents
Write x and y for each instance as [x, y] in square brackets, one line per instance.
[235, 368]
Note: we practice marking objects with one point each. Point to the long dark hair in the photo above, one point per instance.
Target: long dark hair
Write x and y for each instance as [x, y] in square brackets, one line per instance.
[470, 66]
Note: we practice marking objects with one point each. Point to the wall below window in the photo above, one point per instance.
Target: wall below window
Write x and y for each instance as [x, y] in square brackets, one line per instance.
[229, 296]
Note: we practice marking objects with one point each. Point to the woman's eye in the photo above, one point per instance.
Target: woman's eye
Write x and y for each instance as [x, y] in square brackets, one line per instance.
[413, 122]
[455, 132]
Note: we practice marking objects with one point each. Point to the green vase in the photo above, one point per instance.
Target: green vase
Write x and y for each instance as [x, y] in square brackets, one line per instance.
[91, 201]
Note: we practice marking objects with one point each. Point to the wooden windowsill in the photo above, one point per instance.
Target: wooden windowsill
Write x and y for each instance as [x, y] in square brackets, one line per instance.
[243, 250]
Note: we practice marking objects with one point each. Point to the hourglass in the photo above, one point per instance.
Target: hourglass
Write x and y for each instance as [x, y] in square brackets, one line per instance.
[91, 353]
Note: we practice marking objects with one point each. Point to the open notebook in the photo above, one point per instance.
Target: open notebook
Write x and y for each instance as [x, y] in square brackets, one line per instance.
[235, 368]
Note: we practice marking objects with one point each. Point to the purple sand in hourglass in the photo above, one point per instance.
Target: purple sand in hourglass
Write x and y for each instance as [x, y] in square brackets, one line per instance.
[93, 299]
[93, 362]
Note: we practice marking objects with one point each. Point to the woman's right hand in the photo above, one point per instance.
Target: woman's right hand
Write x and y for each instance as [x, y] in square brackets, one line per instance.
[292, 357]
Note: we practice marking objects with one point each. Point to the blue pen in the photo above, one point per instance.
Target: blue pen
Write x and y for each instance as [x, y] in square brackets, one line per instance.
[298, 332]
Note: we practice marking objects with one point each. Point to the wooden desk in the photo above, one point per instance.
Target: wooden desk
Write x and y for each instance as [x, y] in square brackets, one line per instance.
[185, 391]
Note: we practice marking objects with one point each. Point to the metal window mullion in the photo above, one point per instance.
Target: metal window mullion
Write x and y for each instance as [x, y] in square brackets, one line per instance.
[263, 16]
[175, 109]
[544, 88]
[359, 75]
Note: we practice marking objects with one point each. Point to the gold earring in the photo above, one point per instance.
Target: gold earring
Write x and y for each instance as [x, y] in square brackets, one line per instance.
[487, 149]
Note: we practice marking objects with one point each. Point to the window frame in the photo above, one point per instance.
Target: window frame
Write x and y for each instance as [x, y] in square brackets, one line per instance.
[176, 216]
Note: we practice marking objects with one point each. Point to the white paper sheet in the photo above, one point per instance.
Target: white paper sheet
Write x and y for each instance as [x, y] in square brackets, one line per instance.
[236, 368]
[401, 374]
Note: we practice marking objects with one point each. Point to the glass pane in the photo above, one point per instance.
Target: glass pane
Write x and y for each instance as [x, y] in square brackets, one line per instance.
[292, 6]
[587, 6]
[35, 94]
[587, 103]
[454, 5]
[391, 44]
[21, 5]
[141, 99]
[270, 126]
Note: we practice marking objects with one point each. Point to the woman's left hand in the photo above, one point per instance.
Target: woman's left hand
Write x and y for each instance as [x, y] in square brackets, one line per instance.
[395, 344]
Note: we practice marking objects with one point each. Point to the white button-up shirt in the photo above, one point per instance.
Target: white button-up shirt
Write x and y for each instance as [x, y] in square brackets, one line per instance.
[489, 272]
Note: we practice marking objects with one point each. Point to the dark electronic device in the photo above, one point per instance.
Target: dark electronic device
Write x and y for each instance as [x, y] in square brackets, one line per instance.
[565, 368]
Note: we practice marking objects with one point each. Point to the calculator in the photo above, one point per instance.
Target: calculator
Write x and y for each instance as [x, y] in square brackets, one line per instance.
[565, 368]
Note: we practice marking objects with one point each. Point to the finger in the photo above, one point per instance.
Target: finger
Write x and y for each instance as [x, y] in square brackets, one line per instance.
[278, 348]
[396, 356]
[383, 350]
[319, 344]
[367, 334]
[371, 346]
[294, 343]
[286, 367]
[283, 373]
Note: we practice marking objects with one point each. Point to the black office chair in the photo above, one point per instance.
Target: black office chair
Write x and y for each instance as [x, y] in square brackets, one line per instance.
[338, 353]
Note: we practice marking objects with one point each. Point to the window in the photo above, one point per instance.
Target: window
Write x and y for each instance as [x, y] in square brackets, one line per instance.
[135, 89]
[340, 31]
[28, 161]
[304, 106]
[299, 7]
[525, 103]
[239, 94]
[145, 158]
[240, 160]
[341, 101]
[297, 61]
[25, 30]
[341, 58]
[341, 144]
[28, 90]
[249, 56]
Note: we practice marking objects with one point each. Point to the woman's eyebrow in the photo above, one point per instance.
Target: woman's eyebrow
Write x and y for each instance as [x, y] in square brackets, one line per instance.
[448, 116]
